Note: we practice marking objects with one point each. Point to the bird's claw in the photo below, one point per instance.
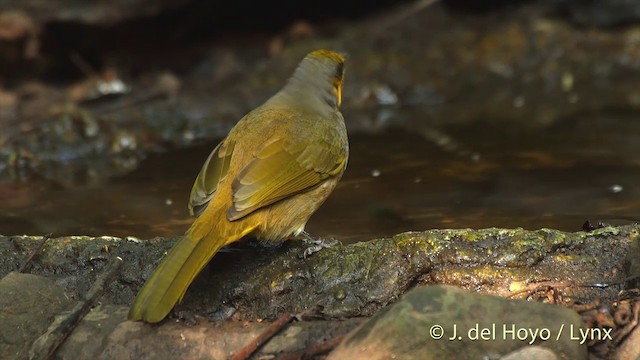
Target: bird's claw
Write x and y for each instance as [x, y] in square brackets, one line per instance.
[315, 245]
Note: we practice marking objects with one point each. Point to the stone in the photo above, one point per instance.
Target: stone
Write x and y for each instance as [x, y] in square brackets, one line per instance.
[28, 304]
[444, 322]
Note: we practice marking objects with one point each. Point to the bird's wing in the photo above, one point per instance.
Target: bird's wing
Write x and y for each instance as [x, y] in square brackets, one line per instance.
[213, 171]
[282, 168]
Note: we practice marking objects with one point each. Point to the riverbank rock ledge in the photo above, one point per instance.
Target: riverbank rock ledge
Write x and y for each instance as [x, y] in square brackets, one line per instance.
[333, 291]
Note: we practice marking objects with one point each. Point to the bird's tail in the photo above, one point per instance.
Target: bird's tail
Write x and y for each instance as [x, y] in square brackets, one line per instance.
[170, 281]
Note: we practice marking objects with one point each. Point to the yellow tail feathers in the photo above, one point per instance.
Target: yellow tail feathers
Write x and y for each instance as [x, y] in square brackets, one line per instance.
[169, 282]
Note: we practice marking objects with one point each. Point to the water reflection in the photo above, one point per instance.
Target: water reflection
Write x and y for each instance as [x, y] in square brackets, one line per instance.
[556, 177]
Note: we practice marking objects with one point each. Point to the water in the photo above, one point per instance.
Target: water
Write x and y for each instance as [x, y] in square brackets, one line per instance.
[484, 175]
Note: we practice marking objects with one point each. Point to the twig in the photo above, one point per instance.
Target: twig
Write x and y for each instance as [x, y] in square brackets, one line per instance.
[33, 254]
[592, 305]
[46, 346]
[315, 350]
[403, 14]
[622, 333]
[271, 331]
[82, 65]
[537, 286]
[152, 94]
[613, 283]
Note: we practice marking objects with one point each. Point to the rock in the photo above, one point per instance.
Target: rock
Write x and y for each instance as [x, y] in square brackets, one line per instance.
[100, 13]
[599, 12]
[106, 334]
[531, 352]
[630, 348]
[340, 282]
[349, 280]
[90, 337]
[137, 340]
[28, 304]
[438, 322]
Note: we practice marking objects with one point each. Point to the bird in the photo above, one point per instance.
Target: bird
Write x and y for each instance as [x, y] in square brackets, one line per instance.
[274, 169]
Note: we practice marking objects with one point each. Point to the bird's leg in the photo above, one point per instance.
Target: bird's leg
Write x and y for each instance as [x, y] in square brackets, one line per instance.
[186, 316]
[315, 245]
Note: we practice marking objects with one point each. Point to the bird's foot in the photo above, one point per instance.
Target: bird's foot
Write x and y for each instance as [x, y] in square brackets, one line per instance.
[184, 316]
[315, 245]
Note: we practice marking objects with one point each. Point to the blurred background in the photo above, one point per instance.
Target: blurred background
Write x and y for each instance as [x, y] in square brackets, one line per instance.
[460, 114]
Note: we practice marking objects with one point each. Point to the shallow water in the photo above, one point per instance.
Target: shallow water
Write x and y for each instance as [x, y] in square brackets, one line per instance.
[484, 175]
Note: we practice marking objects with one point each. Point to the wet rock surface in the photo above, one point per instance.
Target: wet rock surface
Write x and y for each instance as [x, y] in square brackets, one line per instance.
[250, 283]
[347, 280]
